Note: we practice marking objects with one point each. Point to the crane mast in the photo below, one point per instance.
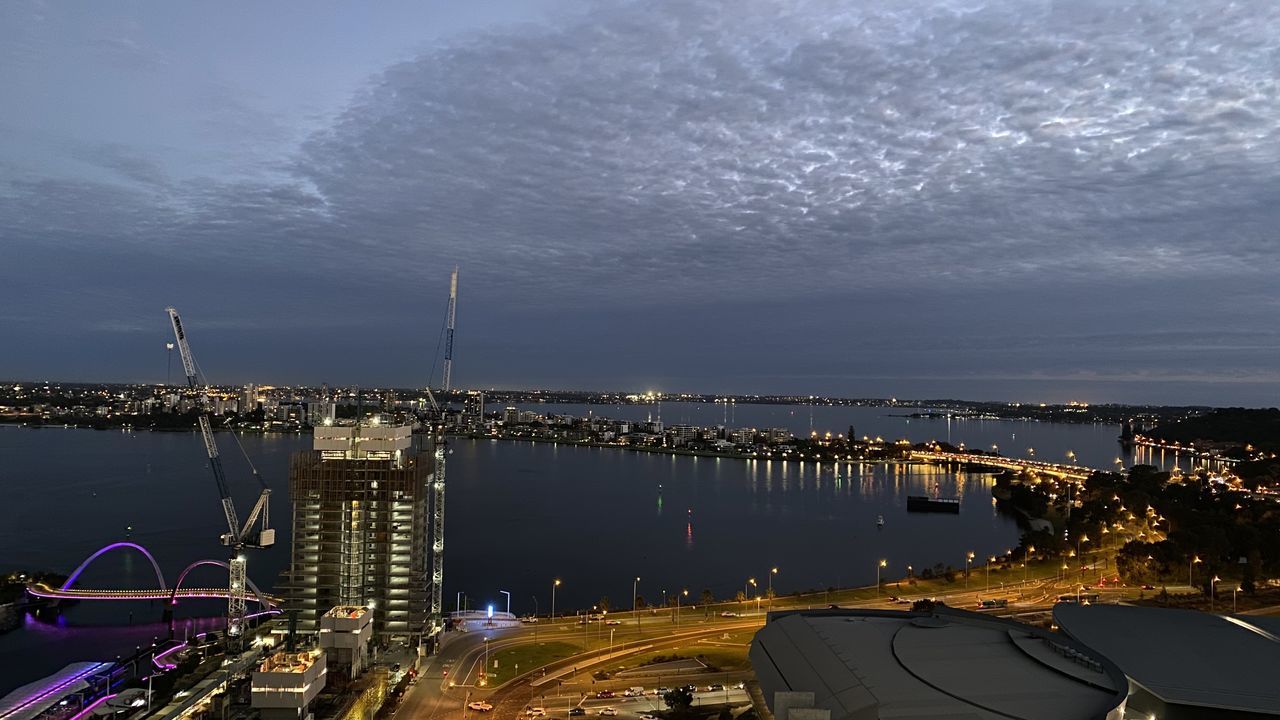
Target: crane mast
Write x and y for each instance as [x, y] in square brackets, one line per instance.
[237, 536]
[436, 617]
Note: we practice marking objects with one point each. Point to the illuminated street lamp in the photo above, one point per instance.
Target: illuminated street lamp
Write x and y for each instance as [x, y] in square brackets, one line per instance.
[1191, 566]
[1084, 538]
[554, 585]
[968, 560]
[1234, 590]
[1026, 560]
[990, 559]
[1213, 584]
[685, 593]
[635, 610]
[772, 572]
[879, 565]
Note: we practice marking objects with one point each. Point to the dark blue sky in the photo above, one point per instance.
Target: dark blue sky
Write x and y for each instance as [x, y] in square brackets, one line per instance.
[1021, 199]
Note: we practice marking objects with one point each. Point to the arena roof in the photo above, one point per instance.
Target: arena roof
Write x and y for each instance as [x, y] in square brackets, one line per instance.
[1185, 657]
[941, 664]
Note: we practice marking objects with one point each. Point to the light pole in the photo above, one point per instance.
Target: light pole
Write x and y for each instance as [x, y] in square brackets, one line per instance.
[554, 585]
[635, 586]
[968, 561]
[1234, 590]
[611, 640]
[1190, 566]
[882, 564]
[990, 559]
[1026, 560]
[685, 593]
[1213, 584]
[504, 592]
[486, 655]
[772, 572]
[168, 376]
[1080, 541]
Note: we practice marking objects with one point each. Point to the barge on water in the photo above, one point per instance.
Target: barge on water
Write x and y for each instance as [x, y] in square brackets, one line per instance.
[924, 503]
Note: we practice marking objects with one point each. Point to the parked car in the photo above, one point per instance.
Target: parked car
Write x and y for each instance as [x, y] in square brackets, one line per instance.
[535, 712]
[573, 711]
[480, 706]
[608, 711]
[717, 687]
[605, 694]
[612, 622]
[729, 613]
[662, 691]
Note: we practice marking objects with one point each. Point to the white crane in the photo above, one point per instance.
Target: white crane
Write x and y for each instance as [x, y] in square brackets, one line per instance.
[238, 537]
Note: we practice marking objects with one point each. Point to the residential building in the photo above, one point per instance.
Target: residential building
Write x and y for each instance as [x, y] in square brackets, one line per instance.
[360, 528]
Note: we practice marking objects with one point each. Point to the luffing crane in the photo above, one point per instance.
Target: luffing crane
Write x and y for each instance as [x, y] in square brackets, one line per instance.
[238, 537]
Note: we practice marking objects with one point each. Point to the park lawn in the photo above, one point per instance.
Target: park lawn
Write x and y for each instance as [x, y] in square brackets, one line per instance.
[521, 659]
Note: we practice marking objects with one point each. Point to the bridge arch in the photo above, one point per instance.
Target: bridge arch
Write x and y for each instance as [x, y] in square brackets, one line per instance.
[173, 594]
[154, 565]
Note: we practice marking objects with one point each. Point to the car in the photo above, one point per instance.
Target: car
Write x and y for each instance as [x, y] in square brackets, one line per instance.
[729, 613]
[480, 706]
[573, 711]
[717, 687]
[528, 620]
[741, 686]
[608, 711]
[535, 712]
[1148, 586]
[605, 694]
[662, 691]
[647, 716]
[612, 622]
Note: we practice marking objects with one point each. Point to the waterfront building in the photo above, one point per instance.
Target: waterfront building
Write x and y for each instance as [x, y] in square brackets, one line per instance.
[1184, 664]
[779, 435]
[473, 411]
[249, 399]
[511, 415]
[942, 663]
[286, 683]
[680, 435]
[360, 528]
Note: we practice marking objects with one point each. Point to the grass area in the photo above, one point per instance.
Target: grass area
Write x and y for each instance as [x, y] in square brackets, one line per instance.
[523, 658]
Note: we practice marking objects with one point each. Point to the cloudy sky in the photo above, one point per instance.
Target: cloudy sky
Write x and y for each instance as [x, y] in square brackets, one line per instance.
[1004, 199]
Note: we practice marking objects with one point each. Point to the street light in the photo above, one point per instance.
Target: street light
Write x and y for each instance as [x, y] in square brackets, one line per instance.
[883, 563]
[968, 560]
[1234, 590]
[635, 610]
[554, 585]
[1212, 584]
[772, 572]
[990, 559]
[504, 592]
[1190, 566]
[685, 593]
[1026, 559]
[1084, 538]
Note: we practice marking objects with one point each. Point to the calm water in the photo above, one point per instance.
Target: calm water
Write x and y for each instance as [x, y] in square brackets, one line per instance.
[519, 514]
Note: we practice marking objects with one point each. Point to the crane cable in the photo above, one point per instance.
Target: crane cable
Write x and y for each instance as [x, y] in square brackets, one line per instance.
[236, 436]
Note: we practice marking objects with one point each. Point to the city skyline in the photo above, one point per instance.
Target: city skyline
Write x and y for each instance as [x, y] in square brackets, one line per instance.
[983, 200]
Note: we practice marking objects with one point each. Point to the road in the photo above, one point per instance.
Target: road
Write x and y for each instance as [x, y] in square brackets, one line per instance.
[568, 683]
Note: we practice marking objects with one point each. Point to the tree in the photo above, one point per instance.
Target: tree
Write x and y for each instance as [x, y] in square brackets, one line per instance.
[679, 700]
[708, 597]
[604, 603]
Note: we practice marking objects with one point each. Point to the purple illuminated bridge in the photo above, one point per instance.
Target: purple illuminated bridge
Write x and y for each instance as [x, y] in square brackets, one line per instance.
[170, 595]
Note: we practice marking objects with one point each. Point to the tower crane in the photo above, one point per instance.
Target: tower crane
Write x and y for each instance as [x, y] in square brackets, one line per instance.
[238, 537]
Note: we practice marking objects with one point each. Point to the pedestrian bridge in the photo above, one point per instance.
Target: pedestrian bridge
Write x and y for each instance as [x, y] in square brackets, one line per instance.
[70, 591]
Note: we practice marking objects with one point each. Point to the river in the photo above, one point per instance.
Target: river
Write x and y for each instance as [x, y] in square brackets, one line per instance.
[519, 515]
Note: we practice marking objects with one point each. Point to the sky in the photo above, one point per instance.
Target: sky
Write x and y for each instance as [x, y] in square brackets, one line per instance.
[1033, 200]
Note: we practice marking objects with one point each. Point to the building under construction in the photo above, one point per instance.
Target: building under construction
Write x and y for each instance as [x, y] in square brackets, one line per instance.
[361, 525]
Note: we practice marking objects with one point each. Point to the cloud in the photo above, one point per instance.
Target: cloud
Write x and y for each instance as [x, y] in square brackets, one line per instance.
[694, 160]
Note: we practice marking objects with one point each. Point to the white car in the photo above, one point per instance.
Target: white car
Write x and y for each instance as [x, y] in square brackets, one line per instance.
[608, 711]
[480, 706]
[535, 712]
